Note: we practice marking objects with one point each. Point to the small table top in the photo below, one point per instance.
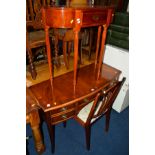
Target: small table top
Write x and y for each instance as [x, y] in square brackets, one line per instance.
[63, 91]
[65, 17]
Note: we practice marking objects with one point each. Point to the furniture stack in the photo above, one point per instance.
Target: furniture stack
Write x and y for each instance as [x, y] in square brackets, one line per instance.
[118, 32]
[92, 88]
[117, 54]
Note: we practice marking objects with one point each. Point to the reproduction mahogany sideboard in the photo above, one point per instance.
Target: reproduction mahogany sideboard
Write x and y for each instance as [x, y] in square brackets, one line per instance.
[76, 17]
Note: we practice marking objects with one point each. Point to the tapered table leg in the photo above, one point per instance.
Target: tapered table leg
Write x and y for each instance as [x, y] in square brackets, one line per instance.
[51, 129]
[49, 56]
[78, 22]
[97, 45]
[102, 51]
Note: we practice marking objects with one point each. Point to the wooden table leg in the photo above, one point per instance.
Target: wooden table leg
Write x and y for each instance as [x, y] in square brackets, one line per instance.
[76, 41]
[97, 45]
[78, 22]
[34, 121]
[51, 129]
[49, 55]
[104, 33]
[102, 51]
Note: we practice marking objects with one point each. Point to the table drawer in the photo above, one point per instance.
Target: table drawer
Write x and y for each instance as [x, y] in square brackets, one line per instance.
[60, 117]
[92, 18]
[63, 109]
[59, 17]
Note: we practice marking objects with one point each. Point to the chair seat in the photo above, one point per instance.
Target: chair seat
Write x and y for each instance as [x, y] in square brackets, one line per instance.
[36, 38]
[84, 112]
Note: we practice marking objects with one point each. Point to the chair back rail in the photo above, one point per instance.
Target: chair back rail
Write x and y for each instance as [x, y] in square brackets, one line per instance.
[104, 100]
[33, 12]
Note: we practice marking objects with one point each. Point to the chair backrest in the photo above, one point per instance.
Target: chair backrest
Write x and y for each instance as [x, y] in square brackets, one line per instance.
[33, 12]
[104, 100]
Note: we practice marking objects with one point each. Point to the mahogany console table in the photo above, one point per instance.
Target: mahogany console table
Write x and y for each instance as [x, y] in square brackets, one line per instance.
[76, 17]
[61, 103]
[32, 117]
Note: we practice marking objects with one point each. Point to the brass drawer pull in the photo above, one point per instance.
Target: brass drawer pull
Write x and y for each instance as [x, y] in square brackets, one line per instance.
[63, 109]
[95, 17]
[64, 116]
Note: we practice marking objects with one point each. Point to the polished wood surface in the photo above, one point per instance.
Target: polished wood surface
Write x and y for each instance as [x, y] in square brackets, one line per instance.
[64, 17]
[61, 103]
[76, 17]
[43, 70]
[32, 117]
[63, 93]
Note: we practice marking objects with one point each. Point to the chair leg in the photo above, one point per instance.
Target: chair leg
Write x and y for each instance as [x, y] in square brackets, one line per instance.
[107, 116]
[87, 133]
[65, 53]
[64, 124]
[44, 53]
[31, 67]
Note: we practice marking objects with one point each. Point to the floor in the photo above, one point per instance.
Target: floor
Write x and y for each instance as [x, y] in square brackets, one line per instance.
[71, 140]
[43, 70]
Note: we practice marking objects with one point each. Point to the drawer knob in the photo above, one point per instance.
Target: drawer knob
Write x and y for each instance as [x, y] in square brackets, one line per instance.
[63, 109]
[64, 116]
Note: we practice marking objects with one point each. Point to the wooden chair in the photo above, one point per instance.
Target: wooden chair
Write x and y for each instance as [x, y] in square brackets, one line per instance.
[36, 37]
[35, 34]
[67, 35]
[86, 33]
[67, 38]
[34, 40]
[98, 106]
